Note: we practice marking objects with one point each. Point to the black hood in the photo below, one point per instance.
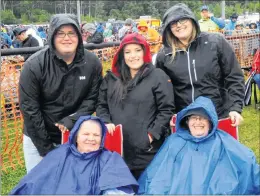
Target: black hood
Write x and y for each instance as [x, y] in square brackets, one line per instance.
[177, 12]
[64, 19]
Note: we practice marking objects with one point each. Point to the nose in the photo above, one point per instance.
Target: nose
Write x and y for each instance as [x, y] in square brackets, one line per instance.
[132, 55]
[178, 24]
[90, 138]
[66, 36]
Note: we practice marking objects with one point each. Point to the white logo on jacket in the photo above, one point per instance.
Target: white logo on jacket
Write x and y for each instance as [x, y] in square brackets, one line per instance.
[82, 77]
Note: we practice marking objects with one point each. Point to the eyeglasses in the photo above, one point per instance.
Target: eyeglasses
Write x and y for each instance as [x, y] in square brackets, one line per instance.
[63, 34]
[180, 21]
[195, 118]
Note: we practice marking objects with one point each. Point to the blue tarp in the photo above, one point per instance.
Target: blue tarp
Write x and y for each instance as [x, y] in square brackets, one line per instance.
[214, 164]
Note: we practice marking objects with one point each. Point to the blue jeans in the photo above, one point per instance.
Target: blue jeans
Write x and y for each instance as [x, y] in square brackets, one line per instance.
[31, 154]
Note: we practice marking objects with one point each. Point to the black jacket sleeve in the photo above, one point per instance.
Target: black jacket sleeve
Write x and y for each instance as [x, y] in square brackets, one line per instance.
[34, 42]
[102, 106]
[88, 106]
[232, 75]
[163, 94]
[29, 100]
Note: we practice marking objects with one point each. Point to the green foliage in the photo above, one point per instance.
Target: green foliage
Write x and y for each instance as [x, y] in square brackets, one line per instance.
[115, 13]
[86, 19]
[7, 17]
[29, 11]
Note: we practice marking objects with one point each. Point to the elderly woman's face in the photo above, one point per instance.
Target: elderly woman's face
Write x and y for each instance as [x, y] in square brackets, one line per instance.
[198, 126]
[182, 29]
[89, 136]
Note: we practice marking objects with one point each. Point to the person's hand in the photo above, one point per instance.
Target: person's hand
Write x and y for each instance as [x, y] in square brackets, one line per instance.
[172, 124]
[150, 138]
[236, 118]
[111, 128]
[61, 127]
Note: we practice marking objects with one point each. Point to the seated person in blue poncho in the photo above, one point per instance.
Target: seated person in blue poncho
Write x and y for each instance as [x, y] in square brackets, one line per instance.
[200, 159]
[81, 166]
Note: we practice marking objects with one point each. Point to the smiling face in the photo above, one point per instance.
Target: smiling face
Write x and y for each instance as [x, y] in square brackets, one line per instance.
[66, 40]
[89, 136]
[134, 56]
[198, 126]
[182, 29]
[204, 14]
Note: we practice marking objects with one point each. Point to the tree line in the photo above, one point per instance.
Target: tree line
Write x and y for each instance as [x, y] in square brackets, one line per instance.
[38, 11]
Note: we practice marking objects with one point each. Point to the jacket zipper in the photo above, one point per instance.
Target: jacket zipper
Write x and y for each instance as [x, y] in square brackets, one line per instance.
[189, 67]
[194, 68]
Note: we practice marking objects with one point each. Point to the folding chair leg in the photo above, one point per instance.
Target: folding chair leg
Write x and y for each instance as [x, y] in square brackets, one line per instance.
[255, 95]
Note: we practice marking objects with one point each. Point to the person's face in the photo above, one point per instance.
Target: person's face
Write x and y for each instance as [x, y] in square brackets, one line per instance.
[204, 14]
[144, 29]
[198, 126]
[89, 136]
[182, 29]
[134, 56]
[128, 26]
[234, 19]
[238, 27]
[21, 36]
[66, 40]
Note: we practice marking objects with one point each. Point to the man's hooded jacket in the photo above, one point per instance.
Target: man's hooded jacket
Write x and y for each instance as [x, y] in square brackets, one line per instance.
[67, 171]
[50, 91]
[215, 164]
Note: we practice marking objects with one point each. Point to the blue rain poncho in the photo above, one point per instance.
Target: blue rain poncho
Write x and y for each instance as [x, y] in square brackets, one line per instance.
[214, 164]
[66, 171]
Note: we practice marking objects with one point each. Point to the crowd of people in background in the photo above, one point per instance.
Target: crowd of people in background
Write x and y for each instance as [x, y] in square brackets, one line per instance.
[98, 32]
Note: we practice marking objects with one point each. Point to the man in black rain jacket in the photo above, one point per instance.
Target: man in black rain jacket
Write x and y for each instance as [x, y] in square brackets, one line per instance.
[58, 84]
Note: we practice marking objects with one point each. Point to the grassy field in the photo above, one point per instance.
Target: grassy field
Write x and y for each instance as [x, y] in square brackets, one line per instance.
[248, 132]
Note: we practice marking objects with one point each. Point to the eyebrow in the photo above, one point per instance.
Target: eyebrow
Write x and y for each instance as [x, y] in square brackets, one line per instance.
[60, 31]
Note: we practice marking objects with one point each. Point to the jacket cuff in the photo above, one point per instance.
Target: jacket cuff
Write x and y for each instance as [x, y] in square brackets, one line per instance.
[67, 122]
[236, 108]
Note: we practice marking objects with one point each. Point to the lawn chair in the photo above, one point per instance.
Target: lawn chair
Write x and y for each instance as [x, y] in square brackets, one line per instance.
[113, 142]
[223, 124]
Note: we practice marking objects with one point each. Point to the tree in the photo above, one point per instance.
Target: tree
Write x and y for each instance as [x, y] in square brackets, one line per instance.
[7, 17]
[115, 13]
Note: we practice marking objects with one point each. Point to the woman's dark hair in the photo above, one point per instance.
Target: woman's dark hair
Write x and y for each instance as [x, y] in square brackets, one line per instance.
[125, 82]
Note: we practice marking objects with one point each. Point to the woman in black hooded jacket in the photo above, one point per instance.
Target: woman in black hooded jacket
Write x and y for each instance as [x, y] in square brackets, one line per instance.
[140, 97]
[200, 64]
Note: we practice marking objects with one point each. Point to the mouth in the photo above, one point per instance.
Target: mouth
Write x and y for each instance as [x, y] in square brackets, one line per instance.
[134, 61]
[198, 127]
[181, 29]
